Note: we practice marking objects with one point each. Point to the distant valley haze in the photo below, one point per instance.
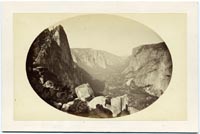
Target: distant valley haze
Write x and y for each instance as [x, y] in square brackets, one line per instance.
[112, 33]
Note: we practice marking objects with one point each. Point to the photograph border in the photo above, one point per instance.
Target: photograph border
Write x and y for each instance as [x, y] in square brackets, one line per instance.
[8, 122]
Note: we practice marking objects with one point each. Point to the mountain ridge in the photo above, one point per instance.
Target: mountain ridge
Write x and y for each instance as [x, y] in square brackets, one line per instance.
[96, 62]
[50, 64]
[148, 65]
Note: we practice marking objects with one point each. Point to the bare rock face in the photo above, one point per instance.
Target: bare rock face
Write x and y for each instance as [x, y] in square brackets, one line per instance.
[95, 58]
[97, 63]
[150, 66]
[50, 67]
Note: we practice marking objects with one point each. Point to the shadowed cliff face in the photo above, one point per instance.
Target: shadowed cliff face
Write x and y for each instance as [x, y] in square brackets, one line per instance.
[51, 51]
[50, 68]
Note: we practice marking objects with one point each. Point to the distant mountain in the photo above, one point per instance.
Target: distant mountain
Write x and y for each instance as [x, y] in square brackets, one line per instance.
[98, 63]
[148, 67]
[95, 58]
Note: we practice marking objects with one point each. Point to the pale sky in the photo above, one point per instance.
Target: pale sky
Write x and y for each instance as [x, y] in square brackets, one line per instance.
[111, 33]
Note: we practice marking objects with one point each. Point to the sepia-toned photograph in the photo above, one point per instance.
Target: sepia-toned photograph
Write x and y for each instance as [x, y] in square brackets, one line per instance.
[108, 66]
[99, 67]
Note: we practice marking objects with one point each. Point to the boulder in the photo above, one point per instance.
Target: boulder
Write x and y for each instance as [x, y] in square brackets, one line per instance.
[66, 106]
[57, 105]
[78, 107]
[132, 110]
[48, 84]
[100, 112]
[84, 92]
[99, 100]
[118, 105]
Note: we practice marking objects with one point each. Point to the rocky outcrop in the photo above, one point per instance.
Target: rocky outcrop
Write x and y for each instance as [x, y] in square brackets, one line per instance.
[51, 50]
[50, 67]
[118, 105]
[150, 66]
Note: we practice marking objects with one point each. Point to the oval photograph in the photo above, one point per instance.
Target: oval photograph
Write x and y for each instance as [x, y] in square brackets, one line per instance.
[99, 66]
